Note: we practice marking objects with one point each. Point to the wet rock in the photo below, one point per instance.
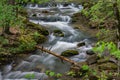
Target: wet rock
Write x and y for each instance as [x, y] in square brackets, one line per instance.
[34, 15]
[81, 44]
[37, 27]
[40, 39]
[92, 59]
[39, 68]
[23, 12]
[108, 66]
[69, 53]
[90, 52]
[45, 11]
[65, 4]
[58, 33]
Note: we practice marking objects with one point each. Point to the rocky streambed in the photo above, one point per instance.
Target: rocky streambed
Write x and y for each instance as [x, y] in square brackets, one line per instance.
[63, 37]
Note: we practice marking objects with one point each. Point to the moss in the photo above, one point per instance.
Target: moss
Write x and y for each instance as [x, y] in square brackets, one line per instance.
[108, 66]
[37, 27]
[69, 53]
[40, 39]
[58, 33]
[23, 12]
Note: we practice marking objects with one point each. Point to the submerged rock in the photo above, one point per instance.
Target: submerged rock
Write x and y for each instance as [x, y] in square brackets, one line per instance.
[90, 52]
[58, 33]
[69, 53]
[45, 11]
[81, 44]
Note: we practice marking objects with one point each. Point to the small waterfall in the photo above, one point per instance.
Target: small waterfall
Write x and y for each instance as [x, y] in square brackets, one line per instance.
[7, 68]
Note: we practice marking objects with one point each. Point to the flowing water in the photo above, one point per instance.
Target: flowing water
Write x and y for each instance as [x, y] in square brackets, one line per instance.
[57, 17]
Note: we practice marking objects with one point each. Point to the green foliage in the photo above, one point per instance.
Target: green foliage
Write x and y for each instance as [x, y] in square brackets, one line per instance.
[102, 76]
[4, 41]
[53, 74]
[7, 13]
[58, 75]
[27, 42]
[85, 67]
[110, 46]
[31, 1]
[36, 36]
[99, 11]
[30, 76]
[71, 73]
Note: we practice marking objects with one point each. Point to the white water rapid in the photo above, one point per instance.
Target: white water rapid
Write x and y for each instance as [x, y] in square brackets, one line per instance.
[58, 17]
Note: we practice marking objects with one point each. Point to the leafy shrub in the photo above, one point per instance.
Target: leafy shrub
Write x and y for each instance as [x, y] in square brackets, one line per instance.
[53, 74]
[85, 67]
[4, 41]
[110, 46]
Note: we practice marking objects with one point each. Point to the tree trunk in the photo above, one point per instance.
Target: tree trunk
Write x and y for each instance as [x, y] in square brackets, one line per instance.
[6, 29]
[61, 57]
[116, 13]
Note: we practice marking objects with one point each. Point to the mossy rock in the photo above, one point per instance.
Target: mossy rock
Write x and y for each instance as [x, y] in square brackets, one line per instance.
[58, 33]
[69, 53]
[37, 27]
[108, 66]
[41, 39]
[34, 15]
[103, 60]
[23, 12]
[81, 44]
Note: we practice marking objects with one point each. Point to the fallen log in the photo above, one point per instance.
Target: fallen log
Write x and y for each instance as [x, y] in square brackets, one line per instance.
[53, 53]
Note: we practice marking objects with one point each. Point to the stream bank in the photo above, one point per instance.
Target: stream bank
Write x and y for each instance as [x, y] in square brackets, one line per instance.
[22, 40]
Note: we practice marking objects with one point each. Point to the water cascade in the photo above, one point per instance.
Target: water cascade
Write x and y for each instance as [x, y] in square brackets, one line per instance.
[57, 18]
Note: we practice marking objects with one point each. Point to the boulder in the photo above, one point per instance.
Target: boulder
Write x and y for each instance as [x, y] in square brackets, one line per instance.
[37, 27]
[81, 44]
[58, 33]
[34, 15]
[90, 52]
[45, 11]
[92, 59]
[69, 53]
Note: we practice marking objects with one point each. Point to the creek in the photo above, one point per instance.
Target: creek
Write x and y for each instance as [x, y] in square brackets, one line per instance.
[52, 18]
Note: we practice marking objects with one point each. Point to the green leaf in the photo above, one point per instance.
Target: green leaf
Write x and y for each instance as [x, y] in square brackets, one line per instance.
[52, 74]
